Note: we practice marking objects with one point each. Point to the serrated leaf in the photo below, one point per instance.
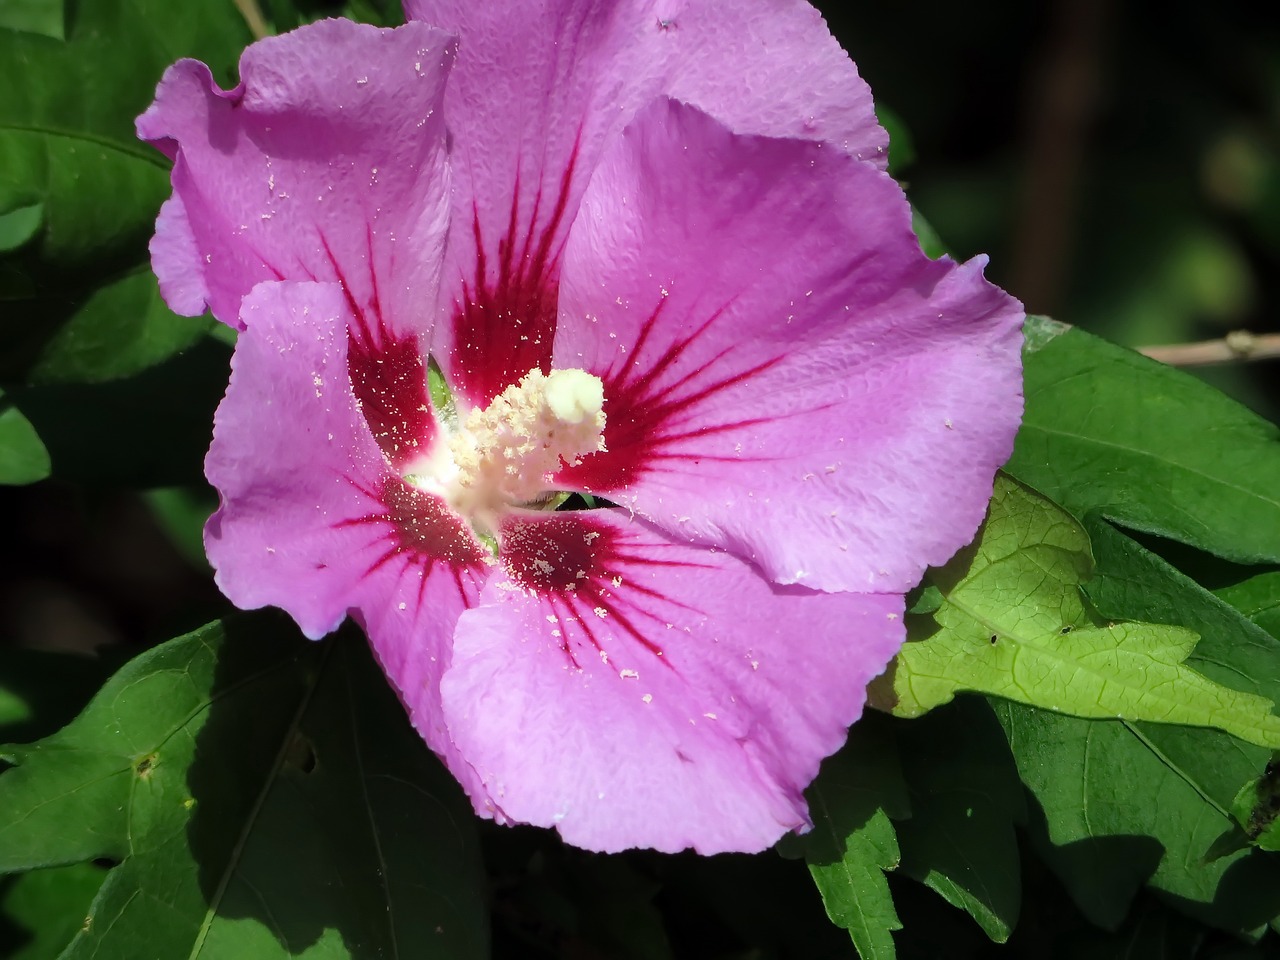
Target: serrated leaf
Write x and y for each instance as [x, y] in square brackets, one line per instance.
[23, 458]
[265, 797]
[1119, 804]
[1146, 445]
[965, 799]
[1014, 624]
[853, 842]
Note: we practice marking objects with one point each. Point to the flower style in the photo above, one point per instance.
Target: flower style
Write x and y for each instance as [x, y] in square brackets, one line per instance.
[643, 251]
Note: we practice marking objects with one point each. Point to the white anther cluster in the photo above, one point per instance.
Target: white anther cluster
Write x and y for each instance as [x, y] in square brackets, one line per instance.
[506, 454]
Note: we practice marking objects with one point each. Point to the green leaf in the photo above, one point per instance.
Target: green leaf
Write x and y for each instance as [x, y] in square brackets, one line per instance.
[1258, 598]
[1082, 775]
[23, 458]
[84, 190]
[1256, 808]
[852, 842]
[42, 690]
[1118, 804]
[1014, 624]
[33, 16]
[965, 799]
[1106, 430]
[49, 906]
[182, 513]
[1154, 932]
[902, 150]
[117, 330]
[265, 797]
[20, 225]
[149, 430]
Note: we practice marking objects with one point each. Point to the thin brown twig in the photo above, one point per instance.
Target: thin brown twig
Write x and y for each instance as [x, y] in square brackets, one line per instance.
[252, 14]
[1237, 345]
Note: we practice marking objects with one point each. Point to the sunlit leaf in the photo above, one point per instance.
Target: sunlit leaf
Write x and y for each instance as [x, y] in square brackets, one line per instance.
[1013, 623]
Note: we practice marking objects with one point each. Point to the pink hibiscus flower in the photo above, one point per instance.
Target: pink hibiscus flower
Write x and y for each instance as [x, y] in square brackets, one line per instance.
[651, 250]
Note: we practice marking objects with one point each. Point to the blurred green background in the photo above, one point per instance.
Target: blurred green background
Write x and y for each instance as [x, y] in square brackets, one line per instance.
[1119, 161]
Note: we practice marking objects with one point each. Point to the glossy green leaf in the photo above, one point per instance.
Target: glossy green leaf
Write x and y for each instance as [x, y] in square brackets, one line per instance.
[266, 797]
[1014, 624]
[19, 226]
[853, 842]
[23, 457]
[965, 800]
[1107, 430]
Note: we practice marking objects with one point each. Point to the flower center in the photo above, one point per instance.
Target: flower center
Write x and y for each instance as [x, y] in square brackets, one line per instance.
[506, 454]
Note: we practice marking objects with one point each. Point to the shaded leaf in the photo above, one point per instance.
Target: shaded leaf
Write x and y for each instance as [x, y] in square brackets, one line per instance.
[42, 690]
[265, 797]
[1154, 932]
[181, 513]
[85, 191]
[1146, 445]
[1014, 624]
[48, 907]
[1257, 807]
[965, 799]
[147, 431]
[853, 842]
[33, 16]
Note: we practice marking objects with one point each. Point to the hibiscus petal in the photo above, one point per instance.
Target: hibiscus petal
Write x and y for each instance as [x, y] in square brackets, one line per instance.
[789, 76]
[327, 162]
[786, 374]
[539, 88]
[312, 518]
[310, 511]
[632, 691]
